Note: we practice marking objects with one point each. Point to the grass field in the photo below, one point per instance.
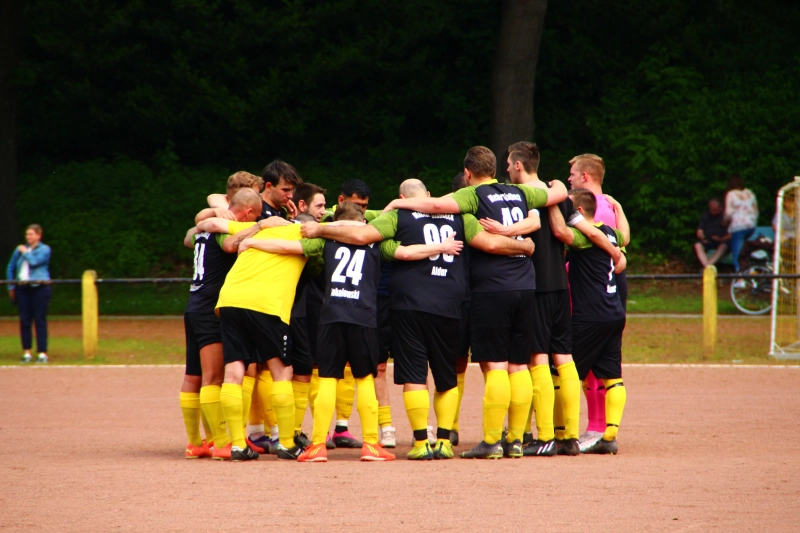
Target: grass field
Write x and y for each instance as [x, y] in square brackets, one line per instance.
[742, 340]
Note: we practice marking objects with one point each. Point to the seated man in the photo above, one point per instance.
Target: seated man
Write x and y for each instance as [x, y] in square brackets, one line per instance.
[712, 234]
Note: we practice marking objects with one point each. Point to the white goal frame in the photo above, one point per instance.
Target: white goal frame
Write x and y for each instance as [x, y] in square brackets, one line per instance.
[779, 348]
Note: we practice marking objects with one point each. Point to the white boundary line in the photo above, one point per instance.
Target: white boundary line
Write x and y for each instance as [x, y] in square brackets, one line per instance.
[626, 365]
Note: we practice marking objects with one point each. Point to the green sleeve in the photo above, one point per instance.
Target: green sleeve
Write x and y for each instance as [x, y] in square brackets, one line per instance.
[388, 249]
[467, 200]
[312, 247]
[221, 238]
[386, 224]
[471, 227]
[536, 197]
[620, 240]
[372, 214]
[581, 241]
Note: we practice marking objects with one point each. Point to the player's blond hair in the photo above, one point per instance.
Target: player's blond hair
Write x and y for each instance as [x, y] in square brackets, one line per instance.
[243, 180]
[591, 164]
[246, 198]
[348, 211]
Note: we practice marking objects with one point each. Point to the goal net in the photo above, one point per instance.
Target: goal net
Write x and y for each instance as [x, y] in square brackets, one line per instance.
[785, 335]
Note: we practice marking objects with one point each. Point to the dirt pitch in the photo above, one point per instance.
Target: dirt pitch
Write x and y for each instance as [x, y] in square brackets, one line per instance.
[100, 449]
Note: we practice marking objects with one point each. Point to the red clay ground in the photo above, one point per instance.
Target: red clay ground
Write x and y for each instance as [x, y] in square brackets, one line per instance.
[100, 449]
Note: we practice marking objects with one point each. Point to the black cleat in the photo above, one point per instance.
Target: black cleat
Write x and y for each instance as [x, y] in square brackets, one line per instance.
[540, 448]
[454, 437]
[301, 439]
[291, 453]
[568, 447]
[527, 438]
[604, 447]
[484, 451]
[512, 449]
[237, 454]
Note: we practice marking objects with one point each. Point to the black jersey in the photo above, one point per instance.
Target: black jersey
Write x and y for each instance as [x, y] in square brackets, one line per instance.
[593, 283]
[434, 285]
[211, 265]
[269, 211]
[548, 259]
[491, 273]
[351, 284]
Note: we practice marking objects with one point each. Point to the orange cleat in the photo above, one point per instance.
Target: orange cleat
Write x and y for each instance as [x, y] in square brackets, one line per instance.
[222, 454]
[197, 452]
[375, 452]
[316, 453]
[255, 447]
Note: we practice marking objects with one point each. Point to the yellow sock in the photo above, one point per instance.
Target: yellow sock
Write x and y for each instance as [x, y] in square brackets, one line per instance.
[417, 403]
[248, 384]
[345, 393]
[460, 380]
[496, 399]
[520, 404]
[301, 390]
[256, 417]
[204, 421]
[558, 412]
[190, 405]
[445, 405]
[283, 405]
[367, 404]
[265, 398]
[384, 416]
[314, 389]
[323, 408]
[529, 422]
[543, 399]
[615, 404]
[230, 397]
[209, 403]
[570, 399]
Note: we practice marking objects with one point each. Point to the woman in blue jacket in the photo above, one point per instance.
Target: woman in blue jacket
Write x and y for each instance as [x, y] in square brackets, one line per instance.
[29, 267]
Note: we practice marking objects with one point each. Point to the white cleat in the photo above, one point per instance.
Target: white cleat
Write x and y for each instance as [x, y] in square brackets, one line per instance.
[588, 439]
[388, 437]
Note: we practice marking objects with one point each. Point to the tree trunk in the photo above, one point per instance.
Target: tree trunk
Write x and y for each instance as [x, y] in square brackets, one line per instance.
[10, 33]
[514, 75]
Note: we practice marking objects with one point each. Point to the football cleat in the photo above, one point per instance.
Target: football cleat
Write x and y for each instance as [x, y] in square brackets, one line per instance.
[197, 452]
[375, 452]
[290, 454]
[420, 452]
[512, 449]
[316, 453]
[388, 437]
[238, 454]
[604, 447]
[568, 447]
[443, 450]
[484, 451]
[221, 454]
[301, 439]
[541, 448]
[345, 439]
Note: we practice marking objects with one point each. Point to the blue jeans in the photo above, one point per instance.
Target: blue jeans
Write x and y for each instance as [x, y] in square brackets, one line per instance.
[737, 243]
[33, 303]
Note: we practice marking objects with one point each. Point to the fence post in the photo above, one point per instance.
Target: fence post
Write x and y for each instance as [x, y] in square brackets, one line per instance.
[709, 311]
[89, 312]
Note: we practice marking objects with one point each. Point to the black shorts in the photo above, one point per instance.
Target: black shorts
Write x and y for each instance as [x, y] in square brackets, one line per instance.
[341, 343]
[253, 337]
[384, 329]
[500, 329]
[312, 322]
[201, 329]
[463, 333]
[597, 346]
[420, 338]
[302, 362]
[552, 329]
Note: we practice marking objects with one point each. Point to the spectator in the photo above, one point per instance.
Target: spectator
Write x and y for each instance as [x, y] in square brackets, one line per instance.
[741, 213]
[712, 234]
[29, 268]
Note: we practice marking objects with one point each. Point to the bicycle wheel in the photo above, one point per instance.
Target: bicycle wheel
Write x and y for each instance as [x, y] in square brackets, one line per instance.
[752, 296]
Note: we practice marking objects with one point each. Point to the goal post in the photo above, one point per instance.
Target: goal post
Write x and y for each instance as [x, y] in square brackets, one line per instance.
[785, 323]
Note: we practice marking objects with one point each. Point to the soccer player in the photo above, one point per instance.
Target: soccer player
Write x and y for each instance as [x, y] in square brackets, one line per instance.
[462, 363]
[552, 332]
[280, 180]
[358, 192]
[598, 317]
[214, 255]
[503, 303]
[347, 331]
[254, 307]
[236, 181]
[588, 171]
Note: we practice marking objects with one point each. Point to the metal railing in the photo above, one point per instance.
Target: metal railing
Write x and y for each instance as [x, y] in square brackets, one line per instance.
[90, 311]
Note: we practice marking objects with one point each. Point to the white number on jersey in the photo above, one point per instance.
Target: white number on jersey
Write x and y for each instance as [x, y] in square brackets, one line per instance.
[354, 266]
[511, 216]
[434, 235]
[611, 289]
[199, 255]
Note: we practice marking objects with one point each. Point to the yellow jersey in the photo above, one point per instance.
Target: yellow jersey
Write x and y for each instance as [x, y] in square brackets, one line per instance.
[263, 281]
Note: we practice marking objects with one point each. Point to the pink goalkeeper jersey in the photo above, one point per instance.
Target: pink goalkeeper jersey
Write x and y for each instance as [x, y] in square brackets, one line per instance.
[605, 212]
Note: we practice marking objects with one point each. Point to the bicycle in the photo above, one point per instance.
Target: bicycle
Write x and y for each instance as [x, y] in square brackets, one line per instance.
[754, 296]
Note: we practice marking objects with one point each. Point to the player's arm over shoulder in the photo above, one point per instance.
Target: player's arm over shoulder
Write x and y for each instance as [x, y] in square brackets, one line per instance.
[538, 197]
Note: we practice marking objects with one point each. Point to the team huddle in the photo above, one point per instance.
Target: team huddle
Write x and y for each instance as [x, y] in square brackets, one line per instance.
[294, 307]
